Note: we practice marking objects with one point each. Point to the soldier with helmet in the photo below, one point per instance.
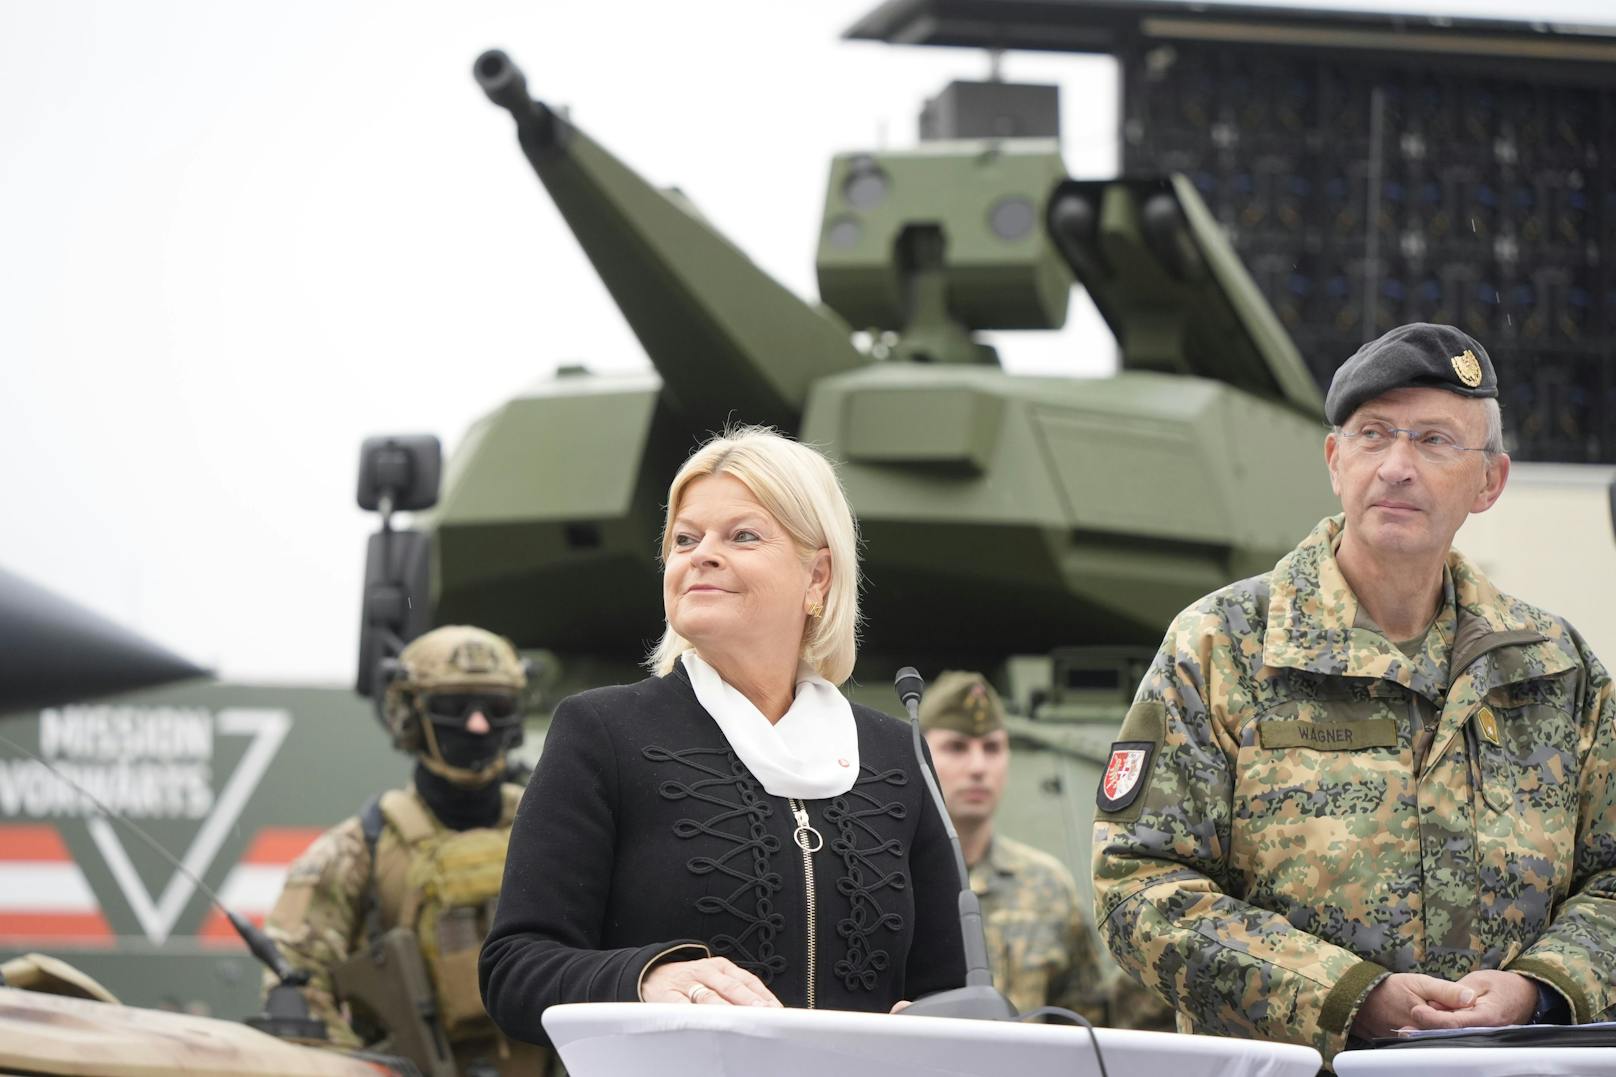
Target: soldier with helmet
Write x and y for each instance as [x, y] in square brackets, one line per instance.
[1039, 943]
[427, 858]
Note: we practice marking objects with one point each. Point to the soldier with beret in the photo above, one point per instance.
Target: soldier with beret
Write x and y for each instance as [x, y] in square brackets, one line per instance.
[1368, 791]
[428, 857]
[1039, 942]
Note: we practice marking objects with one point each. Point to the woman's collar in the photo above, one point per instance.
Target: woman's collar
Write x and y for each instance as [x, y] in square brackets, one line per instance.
[810, 753]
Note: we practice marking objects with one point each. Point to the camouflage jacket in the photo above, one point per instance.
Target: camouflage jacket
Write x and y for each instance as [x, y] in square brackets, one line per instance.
[1281, 851]
[1040, 945]
[1038, 941]
[320, 917]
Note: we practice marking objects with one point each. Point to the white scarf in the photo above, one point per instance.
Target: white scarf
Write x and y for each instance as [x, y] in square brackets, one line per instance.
[810, 753]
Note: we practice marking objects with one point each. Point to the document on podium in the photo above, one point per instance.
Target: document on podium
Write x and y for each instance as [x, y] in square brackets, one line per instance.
[610, 1039]
[1594, 1034]
[1510, 1051]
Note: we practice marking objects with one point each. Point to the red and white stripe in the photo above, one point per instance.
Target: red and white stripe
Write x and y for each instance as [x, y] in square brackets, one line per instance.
[44, 897]
[255, 882]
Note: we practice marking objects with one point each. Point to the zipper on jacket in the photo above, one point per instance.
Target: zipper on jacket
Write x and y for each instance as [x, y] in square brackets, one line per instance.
[809, 841]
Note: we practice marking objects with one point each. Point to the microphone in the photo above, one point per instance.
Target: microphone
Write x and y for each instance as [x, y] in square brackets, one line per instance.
[978, 999]
[910, 688]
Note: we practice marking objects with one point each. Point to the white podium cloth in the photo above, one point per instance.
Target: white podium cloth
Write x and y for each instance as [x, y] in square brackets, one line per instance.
[611, 1039]
[1479, 1062]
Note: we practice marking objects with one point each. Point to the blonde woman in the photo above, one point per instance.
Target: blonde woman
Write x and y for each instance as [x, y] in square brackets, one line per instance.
[731, 830]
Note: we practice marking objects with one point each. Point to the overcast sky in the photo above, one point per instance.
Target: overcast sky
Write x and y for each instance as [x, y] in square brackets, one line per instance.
[237, 238]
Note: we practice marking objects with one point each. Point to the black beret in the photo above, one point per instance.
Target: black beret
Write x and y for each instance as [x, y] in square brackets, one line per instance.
[1418, 355]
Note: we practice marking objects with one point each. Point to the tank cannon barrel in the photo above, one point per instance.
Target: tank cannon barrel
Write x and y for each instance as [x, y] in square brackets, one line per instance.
[506, 87]
[730, 342]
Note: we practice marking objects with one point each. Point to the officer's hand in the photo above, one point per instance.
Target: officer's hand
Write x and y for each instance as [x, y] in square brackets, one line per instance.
[715, 981]
[1502, 998]
[1393, 1002]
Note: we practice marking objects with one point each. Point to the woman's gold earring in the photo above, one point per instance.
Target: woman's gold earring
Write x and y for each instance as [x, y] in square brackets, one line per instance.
[818, 610]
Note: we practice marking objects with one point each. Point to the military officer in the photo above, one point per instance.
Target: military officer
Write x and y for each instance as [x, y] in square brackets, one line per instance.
[1368, 790]
[428, 857]
[1038, 940]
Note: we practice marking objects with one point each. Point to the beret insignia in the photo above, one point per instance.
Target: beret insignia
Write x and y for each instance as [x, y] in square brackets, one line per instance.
[1467, 367]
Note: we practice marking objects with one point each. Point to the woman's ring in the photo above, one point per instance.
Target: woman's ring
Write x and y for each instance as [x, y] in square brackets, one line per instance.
[694, 991]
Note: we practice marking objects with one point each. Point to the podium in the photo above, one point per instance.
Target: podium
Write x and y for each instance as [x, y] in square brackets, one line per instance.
[610, 1039]
[1478, 1062]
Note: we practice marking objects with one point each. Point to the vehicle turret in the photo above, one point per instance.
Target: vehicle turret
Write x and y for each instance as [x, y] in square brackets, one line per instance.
[1001, 514]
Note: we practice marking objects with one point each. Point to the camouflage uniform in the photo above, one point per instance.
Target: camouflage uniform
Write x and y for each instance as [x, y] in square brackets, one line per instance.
[1316, 809]
[1038, 943]
[1038, 940]
[1133, 1005]
[320, 917]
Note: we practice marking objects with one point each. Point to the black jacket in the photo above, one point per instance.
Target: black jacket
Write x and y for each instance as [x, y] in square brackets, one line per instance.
[642, 830]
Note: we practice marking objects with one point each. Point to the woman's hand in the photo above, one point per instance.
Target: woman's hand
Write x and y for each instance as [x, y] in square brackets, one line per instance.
[715, 981]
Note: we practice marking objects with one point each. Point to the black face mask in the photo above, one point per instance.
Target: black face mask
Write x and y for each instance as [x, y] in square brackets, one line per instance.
[458, 807]
[474, 751]
[450, 711]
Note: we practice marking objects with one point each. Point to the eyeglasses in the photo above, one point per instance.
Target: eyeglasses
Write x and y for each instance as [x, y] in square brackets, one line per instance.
[1374, 438]
[458, 707]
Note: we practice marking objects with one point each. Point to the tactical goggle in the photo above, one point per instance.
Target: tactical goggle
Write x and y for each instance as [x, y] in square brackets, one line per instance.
[458, 707]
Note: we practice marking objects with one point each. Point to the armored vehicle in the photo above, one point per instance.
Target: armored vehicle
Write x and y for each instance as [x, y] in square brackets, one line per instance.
[1001, 515]
[1043, 529]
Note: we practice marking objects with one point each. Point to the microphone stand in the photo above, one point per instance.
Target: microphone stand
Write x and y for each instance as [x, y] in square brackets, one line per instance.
[978, 999]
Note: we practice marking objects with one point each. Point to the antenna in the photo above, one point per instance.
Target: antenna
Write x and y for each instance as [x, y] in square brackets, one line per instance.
[284, 1017]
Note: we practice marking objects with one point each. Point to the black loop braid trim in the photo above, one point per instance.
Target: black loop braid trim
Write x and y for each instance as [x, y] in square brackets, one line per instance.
[730, 788]
[863, 877]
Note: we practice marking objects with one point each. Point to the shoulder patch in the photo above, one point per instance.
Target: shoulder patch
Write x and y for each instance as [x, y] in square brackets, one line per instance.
[1125, 773]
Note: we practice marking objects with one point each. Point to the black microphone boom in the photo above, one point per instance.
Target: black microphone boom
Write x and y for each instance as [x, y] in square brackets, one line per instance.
[978, 999]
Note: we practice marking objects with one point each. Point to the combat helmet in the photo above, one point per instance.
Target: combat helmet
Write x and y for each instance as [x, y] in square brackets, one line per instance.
[432, 689]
